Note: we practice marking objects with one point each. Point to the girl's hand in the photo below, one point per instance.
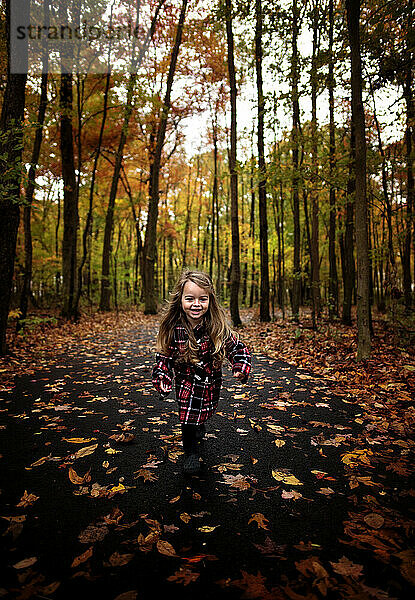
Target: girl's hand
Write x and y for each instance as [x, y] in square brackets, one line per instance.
[239, 375]
[164, 388]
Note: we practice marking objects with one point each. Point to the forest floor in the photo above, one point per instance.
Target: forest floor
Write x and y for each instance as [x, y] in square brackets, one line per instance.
[307, 489]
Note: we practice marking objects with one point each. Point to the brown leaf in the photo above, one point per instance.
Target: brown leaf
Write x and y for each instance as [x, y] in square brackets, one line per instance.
[114, 517]
[146, 475]
[122, 438]
[183, 576]
[82, 557]
[27, 500]
[374, 520]
[93, 533]
[26, 562]
[347, 568]
[259, 519]
[77, 479]
[165, 548]
[131, 595]
[118, 560]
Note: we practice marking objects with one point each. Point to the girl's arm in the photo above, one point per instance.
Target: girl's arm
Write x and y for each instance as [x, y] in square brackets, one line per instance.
[162, 375]
[239, 357]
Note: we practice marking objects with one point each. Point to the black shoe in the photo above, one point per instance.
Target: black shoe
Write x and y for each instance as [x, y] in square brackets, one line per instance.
[191, 465]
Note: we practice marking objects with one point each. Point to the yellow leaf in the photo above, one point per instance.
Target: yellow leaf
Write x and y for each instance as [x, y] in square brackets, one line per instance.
[112, 451]
[207, 529]
[279, 443]
[117, 488]
[185, 517]
[85, 451]
[285, 478]
[76, 479]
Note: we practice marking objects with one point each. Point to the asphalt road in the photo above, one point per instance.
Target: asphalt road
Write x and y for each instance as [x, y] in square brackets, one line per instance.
[120, 517]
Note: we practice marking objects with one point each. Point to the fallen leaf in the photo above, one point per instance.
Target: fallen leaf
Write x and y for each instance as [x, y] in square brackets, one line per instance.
[165, 548]
[259, 519]
[78, 480]
[85, 451]
[374, 520]
[279, 443]
[146, 475]
[184, 576]
[185, 517]
[130, 595]
[27, 500]
[292, 495]
[118, 560]
[93, 533]
[79, 440]
[114, 517]
[285, 478]
[122, 438]
[82, 557]
[347, 568]
[207, 528]
[26, 562]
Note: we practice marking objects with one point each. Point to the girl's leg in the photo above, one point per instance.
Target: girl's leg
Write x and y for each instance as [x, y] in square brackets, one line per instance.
[191, 464]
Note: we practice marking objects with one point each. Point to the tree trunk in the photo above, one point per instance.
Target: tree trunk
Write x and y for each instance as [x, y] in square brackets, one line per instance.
[11, 136]
[149, 253]
[348, 262]
[333, 299]
[410, 116]
[262, 190]
[296, 286]
[188, 216]
[362, 247]
[252, 236]
[315, 258]
[88, 223]
[235, 266]
[105, 299]
[70, 198]
[27, 211]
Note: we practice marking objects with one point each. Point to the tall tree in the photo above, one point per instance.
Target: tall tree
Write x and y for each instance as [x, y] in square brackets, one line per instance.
[30, 188]
[235, 265]
[70, 191]
[296, 285]
[409, 141]
[11, 136]
[333, 300]
[149, 250]
[262, 189]
[315, 252]
[362, 246]
[128, 109]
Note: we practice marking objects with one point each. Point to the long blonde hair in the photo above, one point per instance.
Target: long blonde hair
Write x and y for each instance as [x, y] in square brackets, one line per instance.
[217, 327]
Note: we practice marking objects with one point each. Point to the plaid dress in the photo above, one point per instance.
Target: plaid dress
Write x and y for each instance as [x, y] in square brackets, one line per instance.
[197, 386]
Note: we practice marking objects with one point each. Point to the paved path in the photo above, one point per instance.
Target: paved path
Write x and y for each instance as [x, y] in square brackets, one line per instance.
[273, 491]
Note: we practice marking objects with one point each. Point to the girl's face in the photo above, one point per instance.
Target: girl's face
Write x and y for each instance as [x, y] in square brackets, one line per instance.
[195, 302]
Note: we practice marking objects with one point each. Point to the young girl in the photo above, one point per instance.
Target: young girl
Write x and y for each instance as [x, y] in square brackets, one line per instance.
[193, 340]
